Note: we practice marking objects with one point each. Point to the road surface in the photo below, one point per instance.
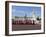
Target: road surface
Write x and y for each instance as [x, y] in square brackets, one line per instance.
[25, 27]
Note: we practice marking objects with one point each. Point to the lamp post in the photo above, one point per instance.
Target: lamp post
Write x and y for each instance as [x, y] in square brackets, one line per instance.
[25, 17]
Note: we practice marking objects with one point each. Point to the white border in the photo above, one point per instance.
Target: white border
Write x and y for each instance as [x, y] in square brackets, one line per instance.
[25, 31]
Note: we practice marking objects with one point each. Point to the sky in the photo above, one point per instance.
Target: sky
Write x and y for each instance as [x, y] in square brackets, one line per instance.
[22, 10]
